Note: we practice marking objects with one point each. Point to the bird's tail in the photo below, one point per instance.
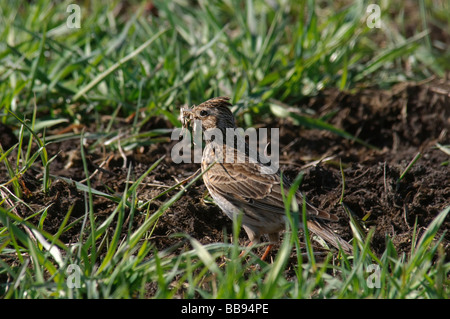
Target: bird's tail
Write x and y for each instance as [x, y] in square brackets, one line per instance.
[327, 234]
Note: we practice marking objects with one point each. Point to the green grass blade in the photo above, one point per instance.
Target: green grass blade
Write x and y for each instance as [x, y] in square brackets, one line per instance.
[116, 65]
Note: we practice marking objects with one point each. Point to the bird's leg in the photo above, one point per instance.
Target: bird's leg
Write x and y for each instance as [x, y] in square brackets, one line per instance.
[266, 252]
[264, 256]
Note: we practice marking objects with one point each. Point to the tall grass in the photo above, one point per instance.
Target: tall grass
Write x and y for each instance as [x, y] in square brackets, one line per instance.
[56, 270]
[254, 51]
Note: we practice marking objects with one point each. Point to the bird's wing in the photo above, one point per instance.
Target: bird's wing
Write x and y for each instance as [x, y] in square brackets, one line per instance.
[244, 183]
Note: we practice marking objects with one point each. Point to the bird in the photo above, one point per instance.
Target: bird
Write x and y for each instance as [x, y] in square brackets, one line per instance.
[249, 187]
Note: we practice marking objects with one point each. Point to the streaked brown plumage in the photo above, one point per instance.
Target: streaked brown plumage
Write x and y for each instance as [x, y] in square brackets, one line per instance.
[237, 187]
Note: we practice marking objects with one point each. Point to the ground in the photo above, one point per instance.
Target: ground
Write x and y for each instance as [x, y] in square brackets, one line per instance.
[399, 123]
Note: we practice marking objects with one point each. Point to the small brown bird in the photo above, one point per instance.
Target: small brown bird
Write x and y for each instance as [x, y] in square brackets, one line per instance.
[249, 187]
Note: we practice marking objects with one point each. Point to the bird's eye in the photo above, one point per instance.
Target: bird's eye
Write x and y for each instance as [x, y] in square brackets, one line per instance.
[203, 113]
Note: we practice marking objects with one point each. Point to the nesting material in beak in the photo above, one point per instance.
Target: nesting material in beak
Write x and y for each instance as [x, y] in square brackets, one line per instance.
[186, 117]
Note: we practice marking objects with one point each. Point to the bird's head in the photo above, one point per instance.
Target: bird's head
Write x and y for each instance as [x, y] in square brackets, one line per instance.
[214, 113]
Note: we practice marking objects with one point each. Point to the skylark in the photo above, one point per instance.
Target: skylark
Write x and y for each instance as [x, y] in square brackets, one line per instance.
[249, 187]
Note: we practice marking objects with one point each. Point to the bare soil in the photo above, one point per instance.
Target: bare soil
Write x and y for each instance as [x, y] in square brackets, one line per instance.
[400, 122]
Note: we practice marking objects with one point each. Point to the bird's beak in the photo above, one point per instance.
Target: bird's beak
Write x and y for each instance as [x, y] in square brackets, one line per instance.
[187, 111]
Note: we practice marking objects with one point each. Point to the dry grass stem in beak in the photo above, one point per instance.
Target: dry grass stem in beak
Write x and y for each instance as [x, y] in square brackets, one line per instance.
[186, 117]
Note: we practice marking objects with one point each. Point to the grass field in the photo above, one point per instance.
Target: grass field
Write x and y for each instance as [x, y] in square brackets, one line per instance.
[101, 73]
